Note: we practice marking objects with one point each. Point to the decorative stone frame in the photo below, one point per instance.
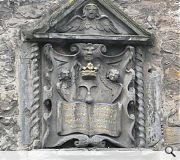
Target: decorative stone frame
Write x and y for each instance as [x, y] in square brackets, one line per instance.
[29, 71]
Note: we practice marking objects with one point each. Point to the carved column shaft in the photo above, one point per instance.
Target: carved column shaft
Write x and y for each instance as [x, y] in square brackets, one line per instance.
[34, 110]
[140, 120]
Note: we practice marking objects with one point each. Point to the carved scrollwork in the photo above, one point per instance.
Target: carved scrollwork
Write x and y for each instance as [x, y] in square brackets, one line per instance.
[88, 77]
[47, 96]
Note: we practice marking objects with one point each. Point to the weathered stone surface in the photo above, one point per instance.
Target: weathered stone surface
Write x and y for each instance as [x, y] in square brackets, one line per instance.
[8, 98]
[13, 15]
[172, 135]
[160, 17]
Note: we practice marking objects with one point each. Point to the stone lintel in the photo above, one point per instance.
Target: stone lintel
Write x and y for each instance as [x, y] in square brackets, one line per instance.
[64, 37]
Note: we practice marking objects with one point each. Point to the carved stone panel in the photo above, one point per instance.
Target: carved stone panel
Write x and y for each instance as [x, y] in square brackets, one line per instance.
[88, 96]
[87, 78]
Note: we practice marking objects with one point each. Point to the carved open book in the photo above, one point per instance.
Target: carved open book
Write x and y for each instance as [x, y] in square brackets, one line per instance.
[90, 120]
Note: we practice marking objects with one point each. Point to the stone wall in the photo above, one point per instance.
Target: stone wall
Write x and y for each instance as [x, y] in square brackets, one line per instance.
[161, 18]
[162, 61]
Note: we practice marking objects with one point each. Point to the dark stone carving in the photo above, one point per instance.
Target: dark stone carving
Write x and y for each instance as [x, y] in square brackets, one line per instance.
[114, 75]
[34, 110]
[91, 20]
[140, 121]
[90, 92]
[92, 96]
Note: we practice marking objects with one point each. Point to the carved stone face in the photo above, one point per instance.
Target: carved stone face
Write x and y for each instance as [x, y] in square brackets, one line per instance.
[88, 52]
[65, 75]
[113, 75]
[91, 11]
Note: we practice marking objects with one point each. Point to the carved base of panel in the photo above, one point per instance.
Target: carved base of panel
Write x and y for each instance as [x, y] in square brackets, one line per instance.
[81, 125]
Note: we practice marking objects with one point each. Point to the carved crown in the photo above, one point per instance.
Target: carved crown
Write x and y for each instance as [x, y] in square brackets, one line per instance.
[89, 71]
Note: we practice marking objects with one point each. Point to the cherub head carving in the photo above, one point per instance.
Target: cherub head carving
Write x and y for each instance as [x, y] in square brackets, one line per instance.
[88, 52]
[91, 11]
[64, 75]
[113, 75]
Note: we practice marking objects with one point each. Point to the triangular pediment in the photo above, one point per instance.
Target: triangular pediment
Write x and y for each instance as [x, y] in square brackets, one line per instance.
[90, 20]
